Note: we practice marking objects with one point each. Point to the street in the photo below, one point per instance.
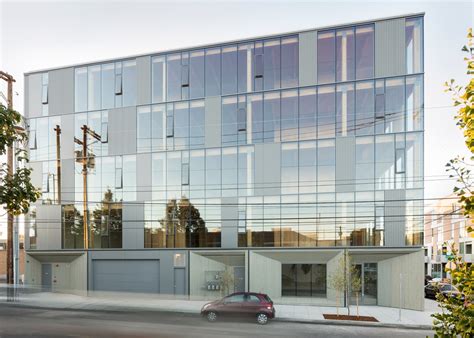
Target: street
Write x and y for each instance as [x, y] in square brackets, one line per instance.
[33, 322]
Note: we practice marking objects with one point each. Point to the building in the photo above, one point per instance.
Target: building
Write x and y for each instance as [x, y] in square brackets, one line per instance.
[445, 227]
[245, 165]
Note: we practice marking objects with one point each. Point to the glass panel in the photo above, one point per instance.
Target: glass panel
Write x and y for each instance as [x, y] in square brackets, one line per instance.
[173, 68]
[158, 125]
[364, 53]
[181, 125]
[326, 112]
[289, 168]
[414, 45]
[289, 62]
[365, 163]
[365, 108]
[213, 172]
[158, 79]
[326, 165]
[244, 68]
[197, 124]
[229, 70]
[213, 72]
[307, 114]
[414, 93]
[345, 113]
[385, 162]
[345, 50]
[394, 105]
[246, 171]
[255, 114]
[143, 129]
[271, 116]
[158, 176]
[326, 57]
[289, 220]
[108, 81]
[197, 74]
[414, 160]
[272, 64]
[229, 120]
[197, 174]
[307, 167]
[80, 89]
[303, 277]
[229, 172]
[289, 115]
[258, 66]
[173, 175]
[129, 83]
[288, 279]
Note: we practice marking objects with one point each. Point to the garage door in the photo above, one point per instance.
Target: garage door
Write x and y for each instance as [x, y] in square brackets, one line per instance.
[126, 275]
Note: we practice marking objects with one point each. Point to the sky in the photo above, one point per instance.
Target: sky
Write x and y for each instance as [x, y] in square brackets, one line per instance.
[41, 34]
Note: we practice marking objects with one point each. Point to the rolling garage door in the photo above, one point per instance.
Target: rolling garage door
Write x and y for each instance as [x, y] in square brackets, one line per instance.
[126, 275]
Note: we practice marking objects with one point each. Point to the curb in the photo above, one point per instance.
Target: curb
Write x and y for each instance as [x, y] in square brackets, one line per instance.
[190, 312]
[354, 323]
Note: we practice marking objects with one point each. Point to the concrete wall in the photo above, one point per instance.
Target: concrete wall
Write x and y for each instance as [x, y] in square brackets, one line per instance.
[197, 277]
[264, 275]
[412, 279]
[32, 271]
[48, 227]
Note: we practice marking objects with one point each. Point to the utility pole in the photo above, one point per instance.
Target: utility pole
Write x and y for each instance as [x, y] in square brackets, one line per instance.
[9, 79]
[58, 160]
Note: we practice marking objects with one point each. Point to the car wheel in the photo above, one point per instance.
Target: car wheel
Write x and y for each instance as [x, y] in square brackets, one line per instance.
[262, 318]
[211, 316]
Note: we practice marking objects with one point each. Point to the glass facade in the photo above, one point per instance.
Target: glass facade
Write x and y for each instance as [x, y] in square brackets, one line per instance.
[321, 194]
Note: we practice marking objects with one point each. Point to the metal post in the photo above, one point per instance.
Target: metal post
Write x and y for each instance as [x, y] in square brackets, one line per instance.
[84, 181]
[58, 160]
[400, 306]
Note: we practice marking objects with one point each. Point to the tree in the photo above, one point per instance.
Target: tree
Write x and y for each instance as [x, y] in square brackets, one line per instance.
[337, 280]
[456, 317]
[16, 191]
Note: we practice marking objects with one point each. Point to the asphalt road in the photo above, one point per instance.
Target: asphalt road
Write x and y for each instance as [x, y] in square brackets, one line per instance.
[33, 322]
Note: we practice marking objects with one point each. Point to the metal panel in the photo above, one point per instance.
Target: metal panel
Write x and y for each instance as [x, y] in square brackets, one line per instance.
[144, 177]
[229, 231]
[46, 277]
[49, 229]
[267, 168]
[26, 95]
[61, 92]
[126, 275]
[67, 139]
[36, 174]
[390, 57]
[132, 227]
[345, 164]
[67, 180]
[213, 121]
[179, 281]
[307, 58]
[143, 80]
[122, 131]
[35, 108]
[394, 220]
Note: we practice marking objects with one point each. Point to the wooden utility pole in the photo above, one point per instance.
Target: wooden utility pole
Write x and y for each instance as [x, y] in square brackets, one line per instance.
[84, 182]
[58, 160]
[9, 79]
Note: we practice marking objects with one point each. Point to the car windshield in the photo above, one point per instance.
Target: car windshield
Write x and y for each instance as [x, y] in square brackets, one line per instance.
[448, 287]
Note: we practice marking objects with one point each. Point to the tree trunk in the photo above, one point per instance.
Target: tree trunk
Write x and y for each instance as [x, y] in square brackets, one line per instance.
[337, 303]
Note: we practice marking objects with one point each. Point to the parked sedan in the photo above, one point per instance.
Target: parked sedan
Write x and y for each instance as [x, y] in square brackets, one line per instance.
[241, 304]
[447, 290]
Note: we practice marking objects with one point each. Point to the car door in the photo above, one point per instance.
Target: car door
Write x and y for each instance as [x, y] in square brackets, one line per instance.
[251, 305]
[232, 305]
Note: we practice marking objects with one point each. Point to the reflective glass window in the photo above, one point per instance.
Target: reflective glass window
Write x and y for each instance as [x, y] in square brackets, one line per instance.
[108, 84]
[129, 83]
[365, 164]
[80, 89]
[245, 68]
[365, 108]
[158, 79]
[326, 57]
[213, 72]
[229, 70]
[345, 55]
[271, 64]
[213, 172]
[326, 165]
[289, 62]
[307, 114]
[326, 112]
[384, 162]
[289, 115]
[364, 53]
[197, 124]
[414, 45]
[255, 112]
[414, 105]
[307, 167]
[158, 126]
[196, 74]
[289, 168]
[229, 172]
[144, 129]
[394, 105]
[345, 110]
[229, 120]
[181, 125]
[173, 71]
[271, 116]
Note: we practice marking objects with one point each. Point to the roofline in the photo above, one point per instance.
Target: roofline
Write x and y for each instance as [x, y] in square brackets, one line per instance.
[215, 44]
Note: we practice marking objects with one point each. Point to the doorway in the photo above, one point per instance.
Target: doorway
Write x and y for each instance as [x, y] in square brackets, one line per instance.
[46, 277]
[367, 272]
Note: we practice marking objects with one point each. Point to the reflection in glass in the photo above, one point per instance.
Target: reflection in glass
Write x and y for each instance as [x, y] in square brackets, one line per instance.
[326, 112]
[271, 116]
[271, 64]
[384, 162]
[173, 71]
[229, 70]
[365, 108]
[158, 79]
[345, 55]
[80, 89]
[245, 68]
[414, 45]
[364, 53]
[326, 57]
[345, 110]
[213, 72]
[307, 114]
[108, 86]
[129, 83]
[197, 124]
[394, 105]
[196, 74]
[289, 115]
[414, 93]
[289, 62]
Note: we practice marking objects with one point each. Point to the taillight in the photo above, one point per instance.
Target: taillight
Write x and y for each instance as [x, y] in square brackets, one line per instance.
[269, 307]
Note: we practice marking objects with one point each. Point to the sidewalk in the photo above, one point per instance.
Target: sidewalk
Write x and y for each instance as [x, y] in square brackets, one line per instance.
[110, 301]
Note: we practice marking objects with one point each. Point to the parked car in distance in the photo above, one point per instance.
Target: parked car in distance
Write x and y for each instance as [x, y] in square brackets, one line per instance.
[446, 289]
[241, 304]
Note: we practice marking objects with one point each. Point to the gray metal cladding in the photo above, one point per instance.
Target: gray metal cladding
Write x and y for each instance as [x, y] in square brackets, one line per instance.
[132, 226]
[229, 214]
[61, 92]
[35, 107]
[307, 58]
[345, 164]
[122, 131]
[390, 59]
[49, 227]
[144, 182]
[213, 119]
[143, 80]
[267, 168]
[67, 180]
[394, 217]
[67, 140]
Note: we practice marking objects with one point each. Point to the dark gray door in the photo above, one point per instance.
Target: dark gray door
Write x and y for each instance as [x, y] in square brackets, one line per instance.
[46, 276]
[179, 281]
[239, 279]
[131, 275]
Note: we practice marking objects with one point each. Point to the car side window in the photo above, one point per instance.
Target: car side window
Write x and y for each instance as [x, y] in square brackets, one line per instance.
[235, 299]
[253, 299]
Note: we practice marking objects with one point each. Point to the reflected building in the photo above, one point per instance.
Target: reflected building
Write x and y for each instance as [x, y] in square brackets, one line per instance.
[256, 163]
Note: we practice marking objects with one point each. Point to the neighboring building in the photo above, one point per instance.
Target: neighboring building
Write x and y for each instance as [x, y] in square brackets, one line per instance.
[445, 225]
[245, 165]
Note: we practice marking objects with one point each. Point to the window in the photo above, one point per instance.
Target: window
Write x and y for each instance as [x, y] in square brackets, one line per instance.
[326, 165]
[143, 129]
[229, 172]
[244, 68]
[307, 168]
[394, 105]
[241, 119]
[213, 72]
[345, 110]
[32, 136]
[255, 111]
[400, 161]
[104, 136]
[169, 122]
[271, 64]
[185, 174]
[196, 74]
[80, 89]
[129, 83]
[118, 81]
[185, 76]
[469, 249]
[271, 116]
[379, 106]
[365, 108]
[44, 87]
[158, 127]
[229, 70]
[173, 67]
[289, 115]
[364, 53]
[326, 112]
[365, 164]
[229, 120]
[414, 104]
[118, 173]
[45, 185]
[345, 55]
[94, 85]
[181, 125]
[253, 299]
[384, 162]
[289, 168]
[197, 124]
[107, 86]
[307, 114]
[414, 45]
[289, 62]
[239, 298]
[158, 83]
[326, 57]
[303, 280]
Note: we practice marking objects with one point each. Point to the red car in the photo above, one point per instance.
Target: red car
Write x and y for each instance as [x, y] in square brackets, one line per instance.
[243, 304]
